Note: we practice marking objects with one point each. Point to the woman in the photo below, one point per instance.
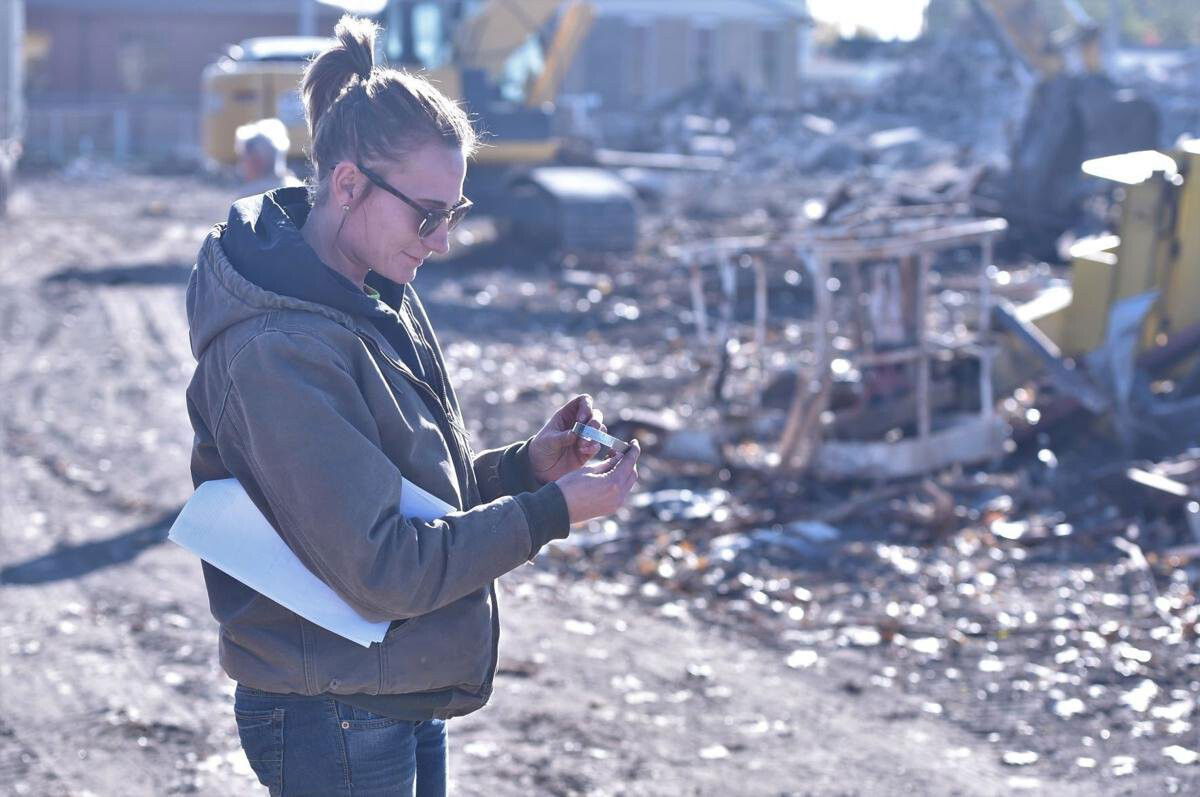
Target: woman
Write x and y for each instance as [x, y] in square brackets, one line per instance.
[319, 385]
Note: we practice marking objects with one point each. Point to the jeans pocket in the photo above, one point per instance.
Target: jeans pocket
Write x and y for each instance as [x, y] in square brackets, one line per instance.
[380, 750]
[353, 718]
[261, 733]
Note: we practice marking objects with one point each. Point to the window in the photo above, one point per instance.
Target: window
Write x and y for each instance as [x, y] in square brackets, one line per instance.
[141, 63]
[705, 56]
[771, 46]
[415, 35]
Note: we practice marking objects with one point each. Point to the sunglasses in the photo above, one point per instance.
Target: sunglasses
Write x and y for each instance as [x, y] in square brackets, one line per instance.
[432, 218]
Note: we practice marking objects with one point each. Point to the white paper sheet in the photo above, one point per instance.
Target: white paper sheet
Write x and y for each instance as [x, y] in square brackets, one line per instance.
[222, 526]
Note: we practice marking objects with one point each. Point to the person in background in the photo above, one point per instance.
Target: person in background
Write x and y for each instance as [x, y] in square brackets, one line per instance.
[321, 387]
[262, 149]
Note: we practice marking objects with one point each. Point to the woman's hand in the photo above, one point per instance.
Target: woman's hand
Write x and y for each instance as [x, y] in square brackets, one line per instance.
[600, 489]
[556, 451]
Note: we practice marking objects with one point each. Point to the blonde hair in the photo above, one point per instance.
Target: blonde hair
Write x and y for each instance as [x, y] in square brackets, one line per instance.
[361, 112]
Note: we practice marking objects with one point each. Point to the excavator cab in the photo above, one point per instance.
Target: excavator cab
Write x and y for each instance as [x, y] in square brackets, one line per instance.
[1076, 112]
[1070, 119]
[505, 61]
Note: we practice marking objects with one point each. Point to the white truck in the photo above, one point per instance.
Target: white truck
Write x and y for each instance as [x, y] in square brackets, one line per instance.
[12, 102]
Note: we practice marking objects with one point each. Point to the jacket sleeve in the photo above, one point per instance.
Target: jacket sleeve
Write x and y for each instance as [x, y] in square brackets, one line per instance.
[505, 471]
[296, 429]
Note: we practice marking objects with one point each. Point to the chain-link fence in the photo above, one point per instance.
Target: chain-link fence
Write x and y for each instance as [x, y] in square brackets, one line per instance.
[57, 132]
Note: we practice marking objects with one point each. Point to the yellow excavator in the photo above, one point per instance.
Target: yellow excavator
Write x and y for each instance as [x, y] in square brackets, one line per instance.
[505, 60]
[1120, 334]
[1076, 112]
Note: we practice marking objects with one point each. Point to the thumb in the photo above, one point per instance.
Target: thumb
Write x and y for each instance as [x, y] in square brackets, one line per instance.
[625, 464]
[577, 406]
[583, 407]
[602, 466]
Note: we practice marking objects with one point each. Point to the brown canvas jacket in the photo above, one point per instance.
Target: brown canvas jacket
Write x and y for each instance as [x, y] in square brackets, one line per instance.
[314, 413]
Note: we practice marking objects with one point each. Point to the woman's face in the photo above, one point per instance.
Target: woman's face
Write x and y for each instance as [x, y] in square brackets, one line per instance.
[381, 231]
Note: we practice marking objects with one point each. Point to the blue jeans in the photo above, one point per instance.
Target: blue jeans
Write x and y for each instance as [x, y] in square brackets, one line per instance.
[300, 745]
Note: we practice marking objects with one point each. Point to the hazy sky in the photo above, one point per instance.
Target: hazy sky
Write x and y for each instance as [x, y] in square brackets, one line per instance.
[889, 19]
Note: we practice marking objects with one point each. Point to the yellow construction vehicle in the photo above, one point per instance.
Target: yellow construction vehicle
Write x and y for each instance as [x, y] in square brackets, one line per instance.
[255, 79]
[1155, 252]
[1128, 314]
[505, 61]
[1075, 112]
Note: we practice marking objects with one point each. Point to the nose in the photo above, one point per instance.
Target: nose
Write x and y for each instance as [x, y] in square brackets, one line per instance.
[439, 239]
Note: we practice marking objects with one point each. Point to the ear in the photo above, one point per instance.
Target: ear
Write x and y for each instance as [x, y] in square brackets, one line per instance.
[346, 184]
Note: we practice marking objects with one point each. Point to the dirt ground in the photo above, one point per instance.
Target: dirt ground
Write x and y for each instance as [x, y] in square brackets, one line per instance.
[107, 650]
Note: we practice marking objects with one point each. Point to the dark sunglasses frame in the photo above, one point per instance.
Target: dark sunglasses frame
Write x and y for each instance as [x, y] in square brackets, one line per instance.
[431, 218]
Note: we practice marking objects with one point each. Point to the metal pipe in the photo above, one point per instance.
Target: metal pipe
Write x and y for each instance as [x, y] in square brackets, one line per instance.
[760, 324]
[699, 313]
[986, 393]
[924, 420]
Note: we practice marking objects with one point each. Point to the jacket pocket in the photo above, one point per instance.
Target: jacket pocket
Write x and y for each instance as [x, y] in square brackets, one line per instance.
[449, 647]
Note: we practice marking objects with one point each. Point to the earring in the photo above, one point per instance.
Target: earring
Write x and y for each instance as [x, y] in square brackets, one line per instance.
[345, 208]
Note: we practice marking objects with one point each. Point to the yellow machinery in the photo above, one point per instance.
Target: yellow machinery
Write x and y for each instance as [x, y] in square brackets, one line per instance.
[1076, 112]
[505, 61]
[1137, 290]
[493, 56]
[256, 79]
[1130, 310]
[493, 52]
[1157, 249]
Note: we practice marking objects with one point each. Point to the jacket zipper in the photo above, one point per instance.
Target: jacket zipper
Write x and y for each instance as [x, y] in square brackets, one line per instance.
[422, 387]
[446, 428]
[437, 367]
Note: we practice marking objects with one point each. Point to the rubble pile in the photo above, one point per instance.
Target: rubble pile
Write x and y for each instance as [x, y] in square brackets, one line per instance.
[959, 88]
[1061, 623]
[1046, 601]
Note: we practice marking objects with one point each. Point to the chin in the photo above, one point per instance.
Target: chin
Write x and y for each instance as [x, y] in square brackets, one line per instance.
[401, 275]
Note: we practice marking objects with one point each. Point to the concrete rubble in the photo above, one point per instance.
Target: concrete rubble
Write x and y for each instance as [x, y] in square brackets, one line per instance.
[908, 467]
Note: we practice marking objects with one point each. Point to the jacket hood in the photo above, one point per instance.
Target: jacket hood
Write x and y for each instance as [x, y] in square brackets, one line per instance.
[257, 262]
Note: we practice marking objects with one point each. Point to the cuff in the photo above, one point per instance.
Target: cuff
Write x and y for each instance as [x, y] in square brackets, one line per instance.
[516, 472]
[546, 513]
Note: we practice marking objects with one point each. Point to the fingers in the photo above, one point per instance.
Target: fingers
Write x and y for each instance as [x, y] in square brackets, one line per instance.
[582, 409]
[622, 467]
[587, 448]
[578, 409]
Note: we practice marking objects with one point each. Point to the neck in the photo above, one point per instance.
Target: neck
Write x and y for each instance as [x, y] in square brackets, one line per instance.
[320, 231]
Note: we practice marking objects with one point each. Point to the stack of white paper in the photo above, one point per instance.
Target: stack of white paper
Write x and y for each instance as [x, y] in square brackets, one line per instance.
[222, 526]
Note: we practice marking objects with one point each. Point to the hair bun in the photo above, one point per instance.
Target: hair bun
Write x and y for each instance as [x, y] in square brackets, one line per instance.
[356, 39]
[357, 111]
[350, 59]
